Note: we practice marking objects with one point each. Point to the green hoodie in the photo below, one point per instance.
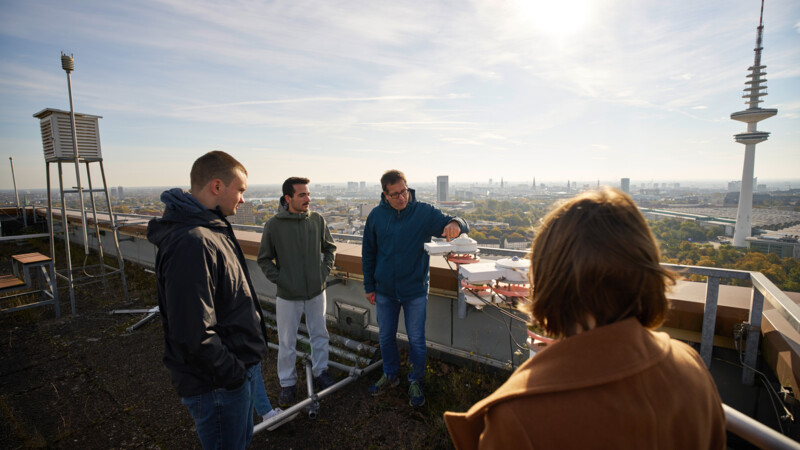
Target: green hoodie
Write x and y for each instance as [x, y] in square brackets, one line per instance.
[296, 254]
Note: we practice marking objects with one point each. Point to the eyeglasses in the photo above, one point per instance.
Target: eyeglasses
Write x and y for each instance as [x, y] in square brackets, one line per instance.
[395, 195]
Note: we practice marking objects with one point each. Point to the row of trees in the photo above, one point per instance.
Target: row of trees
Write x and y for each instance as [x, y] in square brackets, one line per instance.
[687, 243]
[520, 214]
[681, 242]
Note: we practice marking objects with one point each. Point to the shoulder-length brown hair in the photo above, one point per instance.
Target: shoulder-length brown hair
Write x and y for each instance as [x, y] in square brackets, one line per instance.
[596, 259]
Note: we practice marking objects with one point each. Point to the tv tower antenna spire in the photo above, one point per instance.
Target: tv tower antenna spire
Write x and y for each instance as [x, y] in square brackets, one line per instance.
[755, 88]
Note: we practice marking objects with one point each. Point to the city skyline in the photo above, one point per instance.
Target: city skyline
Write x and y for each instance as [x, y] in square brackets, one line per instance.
[567, 90]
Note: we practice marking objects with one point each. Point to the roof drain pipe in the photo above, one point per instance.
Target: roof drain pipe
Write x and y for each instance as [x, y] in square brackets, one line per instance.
[347, 342]
[334, 350]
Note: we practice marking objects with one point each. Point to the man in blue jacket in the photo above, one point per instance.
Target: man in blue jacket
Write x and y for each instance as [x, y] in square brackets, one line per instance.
[395, 267]
[214, 336]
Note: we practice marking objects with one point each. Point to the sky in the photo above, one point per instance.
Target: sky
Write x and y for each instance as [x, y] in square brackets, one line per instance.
[344, 90]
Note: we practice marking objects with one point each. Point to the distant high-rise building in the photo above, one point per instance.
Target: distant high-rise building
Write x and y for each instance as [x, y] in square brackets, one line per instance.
[736, 185]
[245, 215]
[464, 195]
[362, 186]
[352, 187]
[442, 184]
[625, 185]
[501, 183]
[119, 191]
[533, 186]
[756, 87]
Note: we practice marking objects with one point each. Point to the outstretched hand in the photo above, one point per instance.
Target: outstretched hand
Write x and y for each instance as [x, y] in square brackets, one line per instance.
[452, 230]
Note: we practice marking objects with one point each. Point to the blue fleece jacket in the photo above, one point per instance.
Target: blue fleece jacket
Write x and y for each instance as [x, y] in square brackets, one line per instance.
[393, 256]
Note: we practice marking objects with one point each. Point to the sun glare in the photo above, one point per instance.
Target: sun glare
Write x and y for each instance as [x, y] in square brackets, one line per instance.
[558, 18]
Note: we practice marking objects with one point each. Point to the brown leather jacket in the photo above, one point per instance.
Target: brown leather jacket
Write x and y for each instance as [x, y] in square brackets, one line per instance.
[618, 386]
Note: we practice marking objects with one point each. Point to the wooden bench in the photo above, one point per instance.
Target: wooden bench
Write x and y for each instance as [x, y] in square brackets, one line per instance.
[25, 265]
[27, 259]
[10, 282]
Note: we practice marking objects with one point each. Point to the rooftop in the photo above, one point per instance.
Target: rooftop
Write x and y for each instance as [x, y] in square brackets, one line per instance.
[84, 381]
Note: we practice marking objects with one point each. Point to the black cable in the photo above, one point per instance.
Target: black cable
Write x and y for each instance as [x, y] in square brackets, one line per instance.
[508, 327]
[488, 303]
[765, 381]
[501, 310]
[511, 316]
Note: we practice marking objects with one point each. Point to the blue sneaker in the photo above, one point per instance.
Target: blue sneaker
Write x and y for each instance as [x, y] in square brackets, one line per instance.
[417, 398]
[386, 382]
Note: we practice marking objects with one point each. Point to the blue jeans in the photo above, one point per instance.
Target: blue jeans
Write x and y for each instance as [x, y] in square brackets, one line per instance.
[224, 418]
[414, 311]
[260, 399]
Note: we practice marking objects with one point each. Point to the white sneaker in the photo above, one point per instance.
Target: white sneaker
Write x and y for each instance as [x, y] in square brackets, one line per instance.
[272, 413]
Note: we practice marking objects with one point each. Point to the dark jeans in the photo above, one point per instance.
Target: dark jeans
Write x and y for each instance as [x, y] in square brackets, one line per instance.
[224, 418]
[414, 312]
[260, 398]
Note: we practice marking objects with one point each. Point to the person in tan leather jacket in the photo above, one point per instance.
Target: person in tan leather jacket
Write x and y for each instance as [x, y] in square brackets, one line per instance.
[609, 381]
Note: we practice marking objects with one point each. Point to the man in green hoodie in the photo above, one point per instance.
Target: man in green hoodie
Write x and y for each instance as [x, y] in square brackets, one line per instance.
[297, 254]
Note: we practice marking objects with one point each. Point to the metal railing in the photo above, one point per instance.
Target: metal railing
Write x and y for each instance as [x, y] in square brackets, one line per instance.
[762, 289]
[755, 432]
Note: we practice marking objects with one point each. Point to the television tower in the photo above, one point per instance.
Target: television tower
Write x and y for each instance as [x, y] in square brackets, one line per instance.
[755, 88]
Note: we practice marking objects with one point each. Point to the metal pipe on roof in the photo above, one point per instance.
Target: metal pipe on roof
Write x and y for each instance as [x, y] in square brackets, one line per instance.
[755, 432]
[14, 179]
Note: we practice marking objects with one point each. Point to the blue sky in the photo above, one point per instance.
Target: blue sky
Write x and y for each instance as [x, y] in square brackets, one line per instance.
[344, 90]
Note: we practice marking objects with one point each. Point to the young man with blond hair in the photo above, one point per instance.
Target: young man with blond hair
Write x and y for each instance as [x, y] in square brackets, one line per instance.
[214, 337]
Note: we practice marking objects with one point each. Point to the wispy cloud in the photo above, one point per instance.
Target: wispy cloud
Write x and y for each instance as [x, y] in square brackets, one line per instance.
[385, 98]
[461, 141]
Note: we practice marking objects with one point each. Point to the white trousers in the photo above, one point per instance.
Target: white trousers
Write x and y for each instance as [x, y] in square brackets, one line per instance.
[288, 313]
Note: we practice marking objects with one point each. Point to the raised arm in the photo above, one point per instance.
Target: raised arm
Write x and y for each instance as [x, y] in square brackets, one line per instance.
[442, 225]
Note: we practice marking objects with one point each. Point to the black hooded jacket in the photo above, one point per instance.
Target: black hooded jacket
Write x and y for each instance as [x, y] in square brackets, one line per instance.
[213, 327]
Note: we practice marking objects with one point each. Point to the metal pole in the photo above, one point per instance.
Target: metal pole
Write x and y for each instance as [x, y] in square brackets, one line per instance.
[53, 271]
[97, 228]
[50, 216]
[120, 259]
[753, 431]
[65, 223]
[68, 64]
[14, 179]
